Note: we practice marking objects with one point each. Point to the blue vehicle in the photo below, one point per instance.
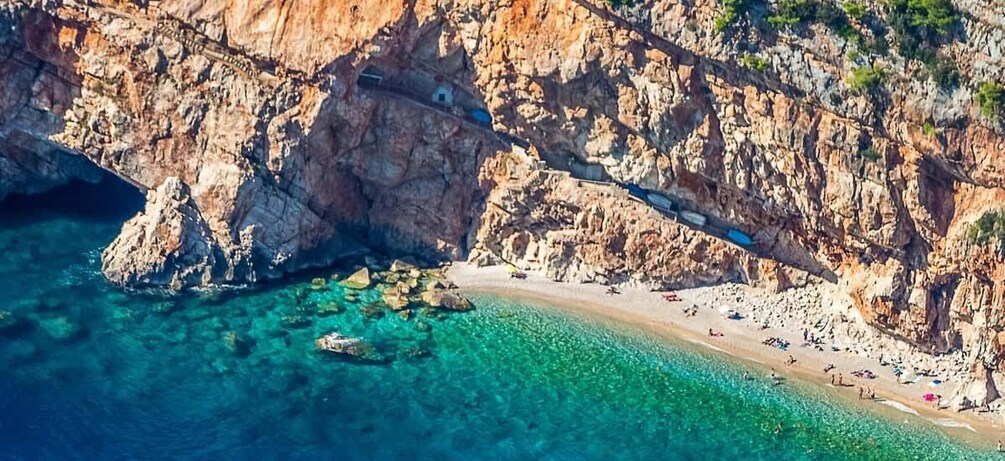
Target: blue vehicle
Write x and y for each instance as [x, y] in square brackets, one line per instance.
[481, 117]
[739, 237]
[636, 191]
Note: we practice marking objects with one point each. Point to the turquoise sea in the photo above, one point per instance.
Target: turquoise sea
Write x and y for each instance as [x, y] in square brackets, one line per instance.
[90, 372]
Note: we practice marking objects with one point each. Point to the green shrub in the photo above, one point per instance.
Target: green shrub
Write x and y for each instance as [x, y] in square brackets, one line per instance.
[943, 72]
[990, 97]
[920, 24]
[990, 225]
[619, 3]
[792, 12]
[754, 62]
[854, 9]
[836, 99]
[731, 11]
[870, 154]
[928, 129]
[865, 79]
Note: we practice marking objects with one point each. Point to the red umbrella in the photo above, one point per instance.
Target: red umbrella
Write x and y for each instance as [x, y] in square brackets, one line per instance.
[929, 397]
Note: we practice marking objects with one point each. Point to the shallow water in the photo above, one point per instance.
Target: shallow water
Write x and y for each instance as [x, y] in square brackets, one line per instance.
[89, 372]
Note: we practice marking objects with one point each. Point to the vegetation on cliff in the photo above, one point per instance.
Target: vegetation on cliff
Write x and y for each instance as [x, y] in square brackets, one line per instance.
[920, 27]
[990, 226]
[865, 79]
[990, 97]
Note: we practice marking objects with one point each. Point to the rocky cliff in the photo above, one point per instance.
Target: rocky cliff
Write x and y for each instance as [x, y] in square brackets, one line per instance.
[266, 149]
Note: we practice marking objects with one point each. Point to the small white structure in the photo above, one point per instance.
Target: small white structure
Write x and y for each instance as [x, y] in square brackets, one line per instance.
[444, 95]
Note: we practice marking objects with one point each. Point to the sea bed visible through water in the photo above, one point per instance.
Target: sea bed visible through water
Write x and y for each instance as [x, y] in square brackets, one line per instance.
[91, 372]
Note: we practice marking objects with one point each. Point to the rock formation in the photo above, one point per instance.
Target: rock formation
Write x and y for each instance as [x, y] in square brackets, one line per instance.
[266, 154]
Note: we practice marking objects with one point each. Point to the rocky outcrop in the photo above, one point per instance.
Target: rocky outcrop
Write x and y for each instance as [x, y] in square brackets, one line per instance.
[168, 245]
[283, 161]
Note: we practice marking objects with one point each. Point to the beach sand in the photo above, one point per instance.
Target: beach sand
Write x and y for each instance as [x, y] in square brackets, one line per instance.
[741, 339]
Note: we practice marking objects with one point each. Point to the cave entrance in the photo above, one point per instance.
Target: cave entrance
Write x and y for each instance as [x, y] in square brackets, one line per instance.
[110, 200]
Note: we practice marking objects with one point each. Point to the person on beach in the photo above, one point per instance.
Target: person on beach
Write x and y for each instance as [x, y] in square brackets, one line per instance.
[999, 446]
[806, 335]
[840, 380]
[829, 367]
[861, 392]
[832, 380]
[790, 361]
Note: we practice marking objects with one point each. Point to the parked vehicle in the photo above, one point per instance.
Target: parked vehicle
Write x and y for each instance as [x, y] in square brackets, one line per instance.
[635, 191]
[660, 201]
[739, 238]
[481, 117]
[693, 218]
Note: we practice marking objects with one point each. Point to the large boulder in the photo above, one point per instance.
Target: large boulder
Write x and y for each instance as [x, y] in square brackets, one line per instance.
[446, 299]
[394, 299]
[976, 391]
[169, 244]
[359, 280]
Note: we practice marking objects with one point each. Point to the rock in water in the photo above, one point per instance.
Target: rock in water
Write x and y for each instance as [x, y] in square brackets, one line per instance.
[347, 346]
[394, 299]
[445, 299]
[360, 280]
[169, 244]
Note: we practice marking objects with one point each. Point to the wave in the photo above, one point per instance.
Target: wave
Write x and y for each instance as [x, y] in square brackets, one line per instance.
[899, 406]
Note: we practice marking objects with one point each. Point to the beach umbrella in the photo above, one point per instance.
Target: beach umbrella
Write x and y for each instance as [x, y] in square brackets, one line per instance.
[512, 269]
[929, 397]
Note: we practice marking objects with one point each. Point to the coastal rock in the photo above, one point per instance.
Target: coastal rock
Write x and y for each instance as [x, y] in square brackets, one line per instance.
[359, 280]
[401, 266]
[263, 155]
[445, 299]
[395, 299]
[347, 346]
[977, 391]
[169, 244]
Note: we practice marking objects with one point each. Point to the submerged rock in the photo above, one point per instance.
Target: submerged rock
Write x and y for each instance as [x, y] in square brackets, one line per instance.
[60, 328]
[319, 284]
[330, 308]
[372, 311]
[236, 344]
[295, 321]
[359, 280]
[9, 323]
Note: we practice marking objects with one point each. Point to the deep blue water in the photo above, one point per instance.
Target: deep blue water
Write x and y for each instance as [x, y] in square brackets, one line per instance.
[90, 372]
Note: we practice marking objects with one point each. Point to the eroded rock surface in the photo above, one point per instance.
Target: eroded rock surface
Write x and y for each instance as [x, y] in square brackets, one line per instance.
[287, 162]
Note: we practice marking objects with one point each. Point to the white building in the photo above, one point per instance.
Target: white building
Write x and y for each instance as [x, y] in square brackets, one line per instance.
[444, 95]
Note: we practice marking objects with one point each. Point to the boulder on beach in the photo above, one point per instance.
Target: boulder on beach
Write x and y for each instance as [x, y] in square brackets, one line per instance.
[359, 280]
[445, 299]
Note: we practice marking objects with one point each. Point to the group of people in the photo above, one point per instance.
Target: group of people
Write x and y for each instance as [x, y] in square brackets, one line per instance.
[691, 311]
[776, 342]
[867, 374]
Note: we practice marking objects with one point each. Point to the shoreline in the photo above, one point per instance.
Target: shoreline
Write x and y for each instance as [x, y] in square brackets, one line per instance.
[742, 341]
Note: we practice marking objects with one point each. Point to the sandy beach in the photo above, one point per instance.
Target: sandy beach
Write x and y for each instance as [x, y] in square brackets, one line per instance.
[744, 338]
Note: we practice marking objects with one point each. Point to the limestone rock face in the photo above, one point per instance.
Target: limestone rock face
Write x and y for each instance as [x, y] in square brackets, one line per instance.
[169, 244]
[288, 162]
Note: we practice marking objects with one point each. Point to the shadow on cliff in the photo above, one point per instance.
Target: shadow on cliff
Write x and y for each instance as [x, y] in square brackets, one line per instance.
[39, 83]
